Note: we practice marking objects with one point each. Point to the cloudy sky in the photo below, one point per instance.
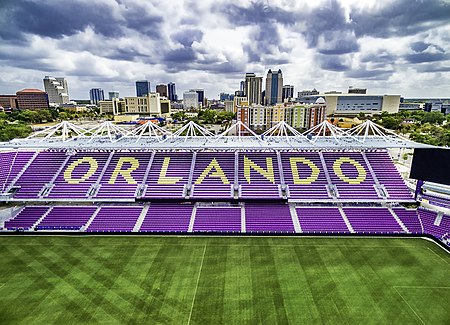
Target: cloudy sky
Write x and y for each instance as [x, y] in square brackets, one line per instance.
[389, 46]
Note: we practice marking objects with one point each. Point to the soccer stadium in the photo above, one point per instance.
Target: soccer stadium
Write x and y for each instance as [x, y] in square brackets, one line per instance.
[148, 226]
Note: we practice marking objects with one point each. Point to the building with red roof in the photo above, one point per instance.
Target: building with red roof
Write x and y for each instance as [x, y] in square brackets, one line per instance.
[32, 99]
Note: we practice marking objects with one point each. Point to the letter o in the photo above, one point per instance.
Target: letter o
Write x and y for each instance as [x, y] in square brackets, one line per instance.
[337, 168]
[93, 166]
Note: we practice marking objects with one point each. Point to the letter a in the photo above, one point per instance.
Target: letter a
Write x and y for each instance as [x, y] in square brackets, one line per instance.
[125, 173]
[218, 173]
[248, 165]
[167, 180]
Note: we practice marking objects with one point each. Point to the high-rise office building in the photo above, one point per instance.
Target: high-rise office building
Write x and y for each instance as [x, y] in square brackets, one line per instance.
[171, 91]
[242, 85]
[142, 88]
[200, 94]
[190, 100]
[162, 90]
[96, 95]
[274, 87]
[113, 95]
[252, 89]
[288, 92]
[225, 96]
[57, 90]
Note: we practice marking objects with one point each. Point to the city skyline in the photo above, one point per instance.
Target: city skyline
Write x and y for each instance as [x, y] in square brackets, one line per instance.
[397, 47]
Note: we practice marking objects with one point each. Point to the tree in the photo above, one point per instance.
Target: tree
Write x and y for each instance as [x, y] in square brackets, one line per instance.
[9, 131]
[44, 115]
[433, 117]
[179, 116]
[28, 116]
[391, 122]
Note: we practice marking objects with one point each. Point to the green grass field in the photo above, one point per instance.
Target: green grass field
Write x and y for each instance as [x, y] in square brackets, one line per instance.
[211, 280]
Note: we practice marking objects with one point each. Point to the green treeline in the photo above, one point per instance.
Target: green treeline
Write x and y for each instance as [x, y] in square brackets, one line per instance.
[425, 127]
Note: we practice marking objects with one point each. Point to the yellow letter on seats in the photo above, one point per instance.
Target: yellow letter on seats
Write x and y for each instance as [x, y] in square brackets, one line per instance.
[167, 180]
[248, 165]
[218, 173]
[337, 168]
[296, 177]
[126, 173]
[93, 165]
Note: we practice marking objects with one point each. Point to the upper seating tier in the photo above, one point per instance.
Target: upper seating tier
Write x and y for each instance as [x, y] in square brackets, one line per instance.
[299, 175]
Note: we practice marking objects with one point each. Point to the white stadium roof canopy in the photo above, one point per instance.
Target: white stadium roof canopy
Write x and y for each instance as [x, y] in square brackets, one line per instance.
[192, 136]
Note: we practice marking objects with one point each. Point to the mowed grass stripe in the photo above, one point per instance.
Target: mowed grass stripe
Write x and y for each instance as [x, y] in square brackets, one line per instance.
[242, 280]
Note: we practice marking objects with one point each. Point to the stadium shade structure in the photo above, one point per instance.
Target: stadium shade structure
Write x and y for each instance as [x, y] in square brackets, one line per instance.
[192, 136]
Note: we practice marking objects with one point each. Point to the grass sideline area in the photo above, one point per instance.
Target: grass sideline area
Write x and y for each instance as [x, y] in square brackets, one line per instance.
[231, 280]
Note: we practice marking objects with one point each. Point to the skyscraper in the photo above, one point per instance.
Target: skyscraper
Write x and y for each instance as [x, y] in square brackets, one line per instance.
[57, 90]
[171, 91]
[142, 88]
[200, 94]
[113, 94]
[274, 87]
[96, 95]
[162, 90]
[252, 89]
[190, 100]
[288, 92]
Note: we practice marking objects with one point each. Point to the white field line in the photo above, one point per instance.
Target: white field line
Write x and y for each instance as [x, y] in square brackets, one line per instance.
[439, 256]
[196, 287]
[421, 287]
[409, 305]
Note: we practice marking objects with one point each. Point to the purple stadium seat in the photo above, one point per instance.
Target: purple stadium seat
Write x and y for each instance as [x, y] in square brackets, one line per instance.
[40, 172]
[410, 219]
[428, 218]
[372, 220]
[115, 218]
[26, 218]
[11, 164]
[66, 218]
[388, 175]
[219, 219]
[167, 217]
[269, 218]
[321, 220]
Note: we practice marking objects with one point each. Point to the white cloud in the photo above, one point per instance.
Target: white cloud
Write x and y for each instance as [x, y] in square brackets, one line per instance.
[323, 44]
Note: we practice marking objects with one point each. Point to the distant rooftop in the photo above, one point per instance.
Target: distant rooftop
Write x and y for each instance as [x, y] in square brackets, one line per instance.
[31, 90]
